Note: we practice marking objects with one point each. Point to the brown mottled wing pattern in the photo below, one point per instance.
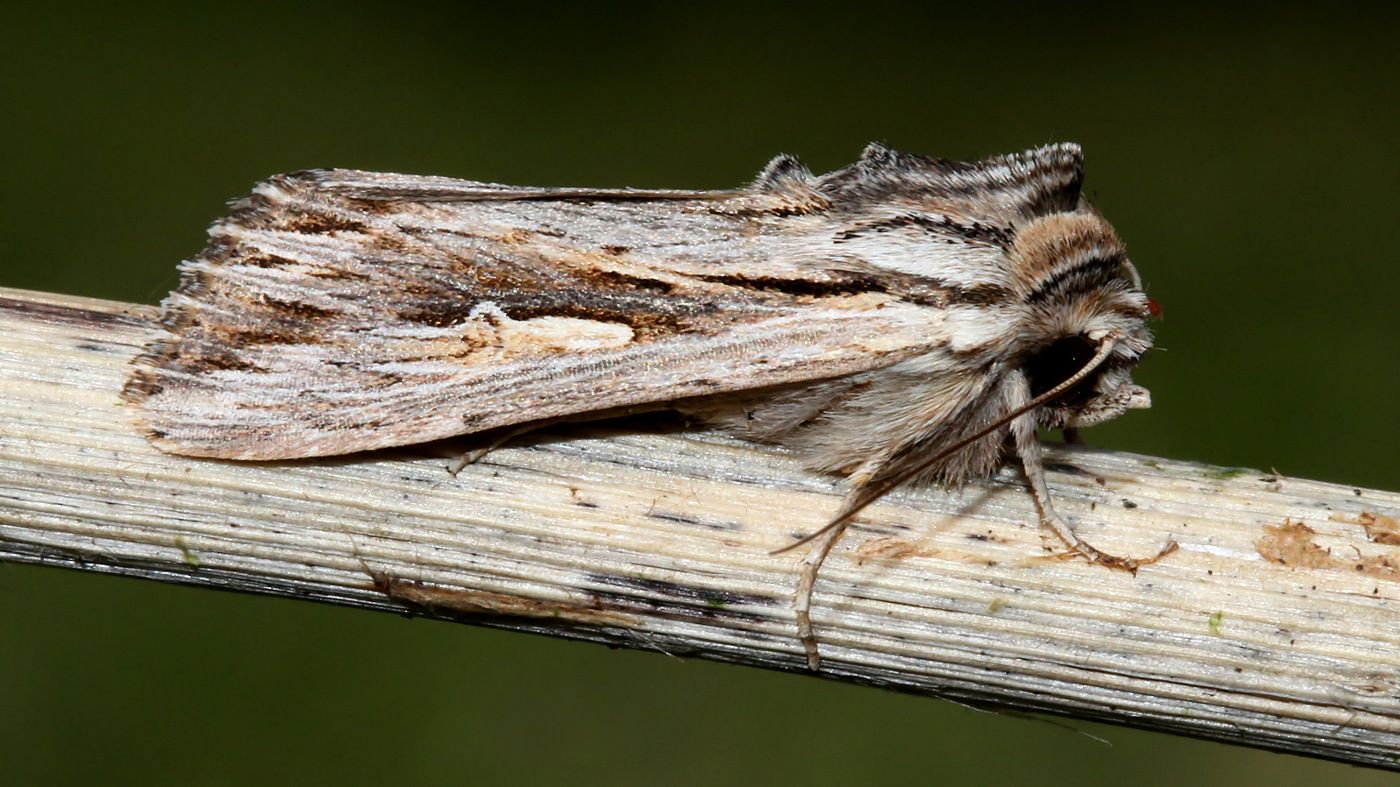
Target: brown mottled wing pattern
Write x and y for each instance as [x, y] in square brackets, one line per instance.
[340, 311]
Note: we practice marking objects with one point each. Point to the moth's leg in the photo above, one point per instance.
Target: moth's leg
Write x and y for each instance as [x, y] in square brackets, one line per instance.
[824, 540]
[1023, 430]
[502, 437]
[1072, 436]
[806, 583]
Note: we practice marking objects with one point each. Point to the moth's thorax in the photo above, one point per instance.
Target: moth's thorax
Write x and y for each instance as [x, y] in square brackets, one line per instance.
[1052, 246]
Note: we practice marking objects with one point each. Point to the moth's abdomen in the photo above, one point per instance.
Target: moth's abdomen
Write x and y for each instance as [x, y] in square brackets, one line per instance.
[888, 419]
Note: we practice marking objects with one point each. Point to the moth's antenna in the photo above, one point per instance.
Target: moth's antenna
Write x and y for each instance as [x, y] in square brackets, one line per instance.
[865, 495]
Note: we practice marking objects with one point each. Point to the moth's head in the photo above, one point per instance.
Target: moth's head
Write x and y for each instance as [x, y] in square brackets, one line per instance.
[1080, 293]
[1105, 393]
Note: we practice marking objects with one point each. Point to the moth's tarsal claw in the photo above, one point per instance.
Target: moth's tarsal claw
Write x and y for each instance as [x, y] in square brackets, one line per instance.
[1128, 564]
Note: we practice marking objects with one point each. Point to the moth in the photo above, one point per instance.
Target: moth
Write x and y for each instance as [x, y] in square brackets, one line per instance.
[901, 319]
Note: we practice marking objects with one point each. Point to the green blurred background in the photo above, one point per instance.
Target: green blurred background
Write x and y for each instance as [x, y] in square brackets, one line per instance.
[1248, 159]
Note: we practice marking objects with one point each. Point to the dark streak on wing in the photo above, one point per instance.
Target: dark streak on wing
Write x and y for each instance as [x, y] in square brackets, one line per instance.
[833, 283]
[979, 295]
[321, 223]
[942, 226]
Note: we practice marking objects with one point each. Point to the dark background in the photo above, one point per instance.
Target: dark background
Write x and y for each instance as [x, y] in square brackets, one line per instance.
[1249, 161]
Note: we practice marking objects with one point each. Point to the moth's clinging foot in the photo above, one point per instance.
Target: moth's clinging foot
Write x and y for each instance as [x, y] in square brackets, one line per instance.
[474, 455]
[1078, 547]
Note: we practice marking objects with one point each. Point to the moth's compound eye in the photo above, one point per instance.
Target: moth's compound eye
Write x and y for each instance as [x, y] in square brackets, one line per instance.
[1058, 362]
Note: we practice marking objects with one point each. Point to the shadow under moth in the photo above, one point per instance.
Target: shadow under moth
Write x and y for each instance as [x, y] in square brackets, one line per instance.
[900, 319]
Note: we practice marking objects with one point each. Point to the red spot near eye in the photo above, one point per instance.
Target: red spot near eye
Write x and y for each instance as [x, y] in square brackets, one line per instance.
[1154, 308]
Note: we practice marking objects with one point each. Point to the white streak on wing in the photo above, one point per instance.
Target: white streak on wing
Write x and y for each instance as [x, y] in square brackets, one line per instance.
[973, 328]
[566, 334]
[911, 252]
